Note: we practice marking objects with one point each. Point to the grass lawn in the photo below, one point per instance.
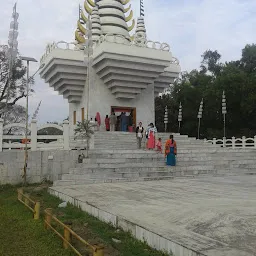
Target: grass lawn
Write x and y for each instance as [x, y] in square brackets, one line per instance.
[21, 235]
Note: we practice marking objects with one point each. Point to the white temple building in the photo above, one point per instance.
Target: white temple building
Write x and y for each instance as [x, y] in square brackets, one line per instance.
[126, 69]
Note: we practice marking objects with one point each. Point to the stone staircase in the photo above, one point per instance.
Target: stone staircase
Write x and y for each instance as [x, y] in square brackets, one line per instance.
[116, 159]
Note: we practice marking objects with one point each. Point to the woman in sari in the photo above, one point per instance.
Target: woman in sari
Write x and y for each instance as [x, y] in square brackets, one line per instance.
[151, 137]
[171, 151]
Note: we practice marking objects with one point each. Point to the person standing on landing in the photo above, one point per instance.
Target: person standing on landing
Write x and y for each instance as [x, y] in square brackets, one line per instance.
[170, 151]
[123, 122]
[152, 137]
[139, 134]
[113, 121]
[159, 145]
[107, 124]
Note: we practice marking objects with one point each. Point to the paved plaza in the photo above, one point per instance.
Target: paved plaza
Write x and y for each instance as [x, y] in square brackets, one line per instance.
[210, 215]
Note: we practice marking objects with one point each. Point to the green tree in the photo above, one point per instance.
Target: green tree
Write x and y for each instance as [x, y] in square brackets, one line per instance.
[12, 87]
[237, 78]
[84, 130]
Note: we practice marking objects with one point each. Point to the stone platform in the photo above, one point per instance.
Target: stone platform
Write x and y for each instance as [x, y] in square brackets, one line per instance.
[213, 216]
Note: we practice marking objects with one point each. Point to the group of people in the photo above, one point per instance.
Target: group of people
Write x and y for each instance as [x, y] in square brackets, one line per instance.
[115, 123]
[170, 149]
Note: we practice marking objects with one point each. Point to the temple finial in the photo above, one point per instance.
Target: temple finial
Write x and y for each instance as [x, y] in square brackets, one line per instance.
[141, 9]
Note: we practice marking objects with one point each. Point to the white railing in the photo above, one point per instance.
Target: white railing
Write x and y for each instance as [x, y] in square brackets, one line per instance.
[36, 142]
[234, 142]
[59, 45]
[139, 40]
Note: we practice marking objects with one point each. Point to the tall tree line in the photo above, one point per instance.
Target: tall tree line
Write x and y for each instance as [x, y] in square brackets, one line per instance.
[236, 78]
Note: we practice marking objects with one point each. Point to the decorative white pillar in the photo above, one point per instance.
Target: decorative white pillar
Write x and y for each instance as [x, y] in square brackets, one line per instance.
[233, 142]
[66, 134]
[243, 142]
[33, 135]
[224, 142]
[1, 134]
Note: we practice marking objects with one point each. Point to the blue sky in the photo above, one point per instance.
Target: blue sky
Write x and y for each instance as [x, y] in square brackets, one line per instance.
[189, 26]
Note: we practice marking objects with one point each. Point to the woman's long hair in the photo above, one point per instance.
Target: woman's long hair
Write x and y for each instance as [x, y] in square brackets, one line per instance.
[171, 138]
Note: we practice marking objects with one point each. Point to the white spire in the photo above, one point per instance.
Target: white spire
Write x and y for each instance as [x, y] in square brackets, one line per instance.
[13, 36]
[140, 32]
[96, 26]
[37, 110]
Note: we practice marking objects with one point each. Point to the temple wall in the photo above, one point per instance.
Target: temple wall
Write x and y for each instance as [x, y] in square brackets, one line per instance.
[42, 165]
[101, 100]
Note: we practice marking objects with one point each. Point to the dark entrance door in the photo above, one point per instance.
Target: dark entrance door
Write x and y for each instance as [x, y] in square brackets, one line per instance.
[130, 113]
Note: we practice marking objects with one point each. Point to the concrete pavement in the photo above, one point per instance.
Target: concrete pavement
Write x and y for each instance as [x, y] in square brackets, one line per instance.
[213, 216]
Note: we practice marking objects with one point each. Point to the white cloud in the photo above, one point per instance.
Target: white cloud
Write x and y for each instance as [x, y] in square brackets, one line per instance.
[190, 27]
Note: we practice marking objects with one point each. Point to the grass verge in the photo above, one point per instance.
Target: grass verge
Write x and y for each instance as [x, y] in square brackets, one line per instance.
[20, 234]
[88, 227]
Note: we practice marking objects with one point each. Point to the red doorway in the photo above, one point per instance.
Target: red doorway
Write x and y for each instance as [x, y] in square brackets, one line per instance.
[129, 111]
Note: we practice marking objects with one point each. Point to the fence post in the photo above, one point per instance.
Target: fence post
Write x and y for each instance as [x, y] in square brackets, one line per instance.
[26, 199]
[67, 236]
[33, 135]
[255, 141]
[224, 142]
[214, 141]
[66, 134]
[20, 192]
[37, 211]
[243, 142]
[48, 217]
[233, 142]
[1, 134]
[99, 251]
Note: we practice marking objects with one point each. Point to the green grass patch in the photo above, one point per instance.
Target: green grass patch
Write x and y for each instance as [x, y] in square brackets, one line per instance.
[88, 227]
[20, 234]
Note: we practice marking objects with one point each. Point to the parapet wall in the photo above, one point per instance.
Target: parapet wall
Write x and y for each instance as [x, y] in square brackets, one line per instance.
[42, 165]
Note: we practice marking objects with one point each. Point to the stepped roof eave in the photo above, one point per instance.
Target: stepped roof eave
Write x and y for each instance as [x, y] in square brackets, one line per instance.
[128, 50]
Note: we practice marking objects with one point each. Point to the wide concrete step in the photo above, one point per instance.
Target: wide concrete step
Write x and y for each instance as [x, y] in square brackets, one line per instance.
[117, 133]
[214, 149]
[113, 174]
[134, 143]
[160, 159]
[187, 156]
[119, 160]
[134, 169]
[157, 163]
[109, 180]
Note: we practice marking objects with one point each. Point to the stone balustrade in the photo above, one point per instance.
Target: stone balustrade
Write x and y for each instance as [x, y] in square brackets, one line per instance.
[36, 142]
[234, 142]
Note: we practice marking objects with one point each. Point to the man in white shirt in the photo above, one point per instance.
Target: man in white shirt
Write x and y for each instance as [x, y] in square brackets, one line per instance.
[139, 134]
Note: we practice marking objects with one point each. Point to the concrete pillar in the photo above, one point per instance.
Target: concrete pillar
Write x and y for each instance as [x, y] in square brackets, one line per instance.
[233, 142]
[66, 134]
[244, 142]
[33, 135]
[1, 134]
[224, 142]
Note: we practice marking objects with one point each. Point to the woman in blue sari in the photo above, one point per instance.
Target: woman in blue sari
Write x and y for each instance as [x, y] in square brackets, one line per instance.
[170, 151]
